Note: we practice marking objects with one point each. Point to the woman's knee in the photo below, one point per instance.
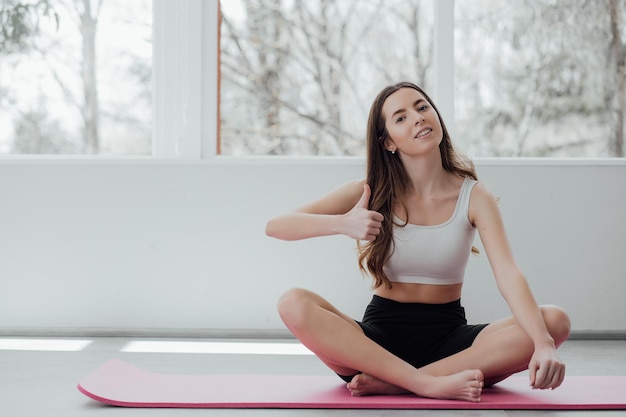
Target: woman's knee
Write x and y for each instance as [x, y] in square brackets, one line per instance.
[293, 304]
[557, 322]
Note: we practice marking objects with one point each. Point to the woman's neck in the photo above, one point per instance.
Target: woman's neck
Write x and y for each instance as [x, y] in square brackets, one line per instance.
[426, 175]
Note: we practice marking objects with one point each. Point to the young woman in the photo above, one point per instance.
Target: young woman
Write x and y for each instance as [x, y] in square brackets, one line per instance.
[415, 216]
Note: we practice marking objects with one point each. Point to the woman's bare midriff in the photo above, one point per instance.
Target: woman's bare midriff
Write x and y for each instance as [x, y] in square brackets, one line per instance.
[420, 293]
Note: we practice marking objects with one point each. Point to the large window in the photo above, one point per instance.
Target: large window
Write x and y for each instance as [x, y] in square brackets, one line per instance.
[531, 77]
[76, 77]
[194, 79]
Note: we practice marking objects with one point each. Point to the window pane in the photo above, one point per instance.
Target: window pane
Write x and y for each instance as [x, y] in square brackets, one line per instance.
[75, 77]
[539, 77]
[298, 77]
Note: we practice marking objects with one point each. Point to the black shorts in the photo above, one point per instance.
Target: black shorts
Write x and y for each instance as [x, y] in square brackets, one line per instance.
[418, 333]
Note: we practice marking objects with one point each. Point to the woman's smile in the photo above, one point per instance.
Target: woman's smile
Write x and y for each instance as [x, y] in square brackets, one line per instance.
[423, 133]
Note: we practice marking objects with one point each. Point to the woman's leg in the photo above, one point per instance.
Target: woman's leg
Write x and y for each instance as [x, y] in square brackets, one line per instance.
[503, 348]
[500, 350]
[341, 344]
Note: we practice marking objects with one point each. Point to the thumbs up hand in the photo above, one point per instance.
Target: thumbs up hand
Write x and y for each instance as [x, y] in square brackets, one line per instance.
[362, 223]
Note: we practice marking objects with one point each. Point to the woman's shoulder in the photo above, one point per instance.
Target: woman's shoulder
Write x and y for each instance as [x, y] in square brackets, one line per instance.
[351, 191]
[337, 201]
[352, 188]
[355, 184]
[482, 201]
[480, 191]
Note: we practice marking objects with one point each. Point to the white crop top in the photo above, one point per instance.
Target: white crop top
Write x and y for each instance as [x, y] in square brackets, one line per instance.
[433, 254]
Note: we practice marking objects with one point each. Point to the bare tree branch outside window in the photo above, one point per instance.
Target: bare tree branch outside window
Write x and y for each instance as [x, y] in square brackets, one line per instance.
[539, 77]
[297, 77]
[75, 77]
[533, 77]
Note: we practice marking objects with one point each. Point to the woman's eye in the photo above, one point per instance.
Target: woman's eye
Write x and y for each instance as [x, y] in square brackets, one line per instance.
[400, 119]
[422, 108]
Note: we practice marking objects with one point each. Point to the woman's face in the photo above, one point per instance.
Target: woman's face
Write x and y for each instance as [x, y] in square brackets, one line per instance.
[412, 123]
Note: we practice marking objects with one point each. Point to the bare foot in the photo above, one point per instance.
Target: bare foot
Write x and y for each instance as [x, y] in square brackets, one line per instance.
[364, 384]
[466, 385]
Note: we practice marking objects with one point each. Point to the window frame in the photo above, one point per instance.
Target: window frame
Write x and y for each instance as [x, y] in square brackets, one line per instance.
[185, 79]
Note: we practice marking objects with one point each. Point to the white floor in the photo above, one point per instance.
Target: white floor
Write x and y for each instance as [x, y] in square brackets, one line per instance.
[39, 377]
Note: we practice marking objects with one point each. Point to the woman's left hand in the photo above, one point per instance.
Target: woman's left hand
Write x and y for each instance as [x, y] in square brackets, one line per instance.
[546, 369]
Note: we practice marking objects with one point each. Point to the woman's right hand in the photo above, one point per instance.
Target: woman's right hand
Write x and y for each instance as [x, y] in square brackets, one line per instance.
[361, 223]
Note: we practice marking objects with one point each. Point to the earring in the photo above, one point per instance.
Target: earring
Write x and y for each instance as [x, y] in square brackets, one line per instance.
[393, 151]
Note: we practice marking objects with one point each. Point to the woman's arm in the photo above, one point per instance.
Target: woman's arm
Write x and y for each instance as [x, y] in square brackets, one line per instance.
[343, 211]
[485, 215]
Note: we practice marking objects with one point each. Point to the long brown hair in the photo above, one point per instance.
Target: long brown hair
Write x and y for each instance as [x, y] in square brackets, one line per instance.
[390, 183]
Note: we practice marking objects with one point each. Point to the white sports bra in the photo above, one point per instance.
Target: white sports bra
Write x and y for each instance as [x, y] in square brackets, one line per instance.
[435, 255]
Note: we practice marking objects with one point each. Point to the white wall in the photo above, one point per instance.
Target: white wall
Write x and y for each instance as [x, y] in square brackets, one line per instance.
[136, 245]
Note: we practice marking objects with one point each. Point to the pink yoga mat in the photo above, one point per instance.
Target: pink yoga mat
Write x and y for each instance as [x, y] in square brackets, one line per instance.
[121, 384]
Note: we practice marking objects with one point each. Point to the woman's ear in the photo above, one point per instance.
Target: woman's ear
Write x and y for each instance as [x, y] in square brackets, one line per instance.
[390, 146]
